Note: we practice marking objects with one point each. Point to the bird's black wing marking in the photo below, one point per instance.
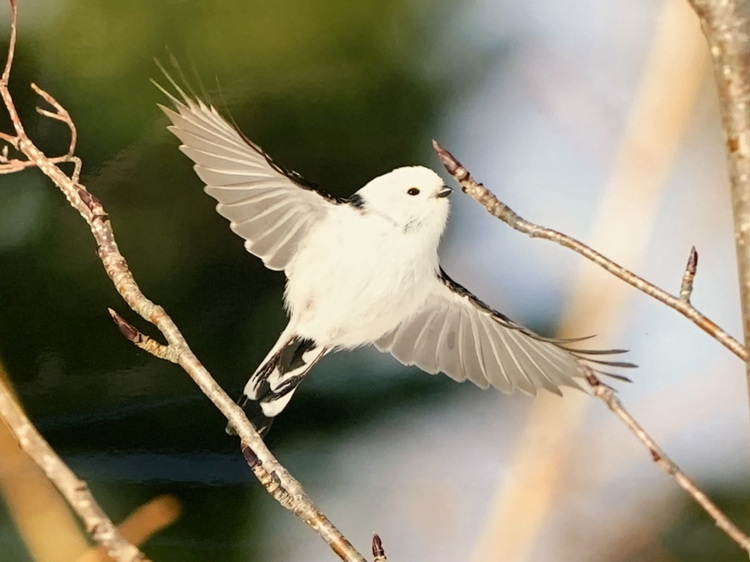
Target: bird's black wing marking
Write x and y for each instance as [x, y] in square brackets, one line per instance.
[459, 335]
[290, 174]
[562, 343]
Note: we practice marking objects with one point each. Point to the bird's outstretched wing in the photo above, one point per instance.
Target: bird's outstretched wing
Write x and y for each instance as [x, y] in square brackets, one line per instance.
[459, 335]
[270, 207]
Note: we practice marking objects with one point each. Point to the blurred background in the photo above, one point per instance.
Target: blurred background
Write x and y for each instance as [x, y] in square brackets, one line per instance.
[598, 119]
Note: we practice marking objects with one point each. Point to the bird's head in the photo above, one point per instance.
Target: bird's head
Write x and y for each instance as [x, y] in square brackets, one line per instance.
[412, 197]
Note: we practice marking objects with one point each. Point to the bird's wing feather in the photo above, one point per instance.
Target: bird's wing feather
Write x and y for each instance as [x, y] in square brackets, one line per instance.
[268, 206]
[457, 334]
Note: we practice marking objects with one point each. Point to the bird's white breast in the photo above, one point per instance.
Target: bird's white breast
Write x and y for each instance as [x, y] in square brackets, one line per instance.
[356, 277]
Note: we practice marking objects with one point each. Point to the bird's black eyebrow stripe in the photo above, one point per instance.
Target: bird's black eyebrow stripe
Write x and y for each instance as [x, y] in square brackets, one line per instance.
[356, 201]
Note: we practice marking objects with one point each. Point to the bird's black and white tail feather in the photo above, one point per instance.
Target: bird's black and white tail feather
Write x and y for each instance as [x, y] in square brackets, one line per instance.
[272, 385]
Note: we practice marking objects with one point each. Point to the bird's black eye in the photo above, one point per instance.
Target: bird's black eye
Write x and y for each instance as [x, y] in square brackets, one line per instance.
[413, 191]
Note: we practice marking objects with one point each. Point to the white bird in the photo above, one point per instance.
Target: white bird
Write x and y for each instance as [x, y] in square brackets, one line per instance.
[361, 271]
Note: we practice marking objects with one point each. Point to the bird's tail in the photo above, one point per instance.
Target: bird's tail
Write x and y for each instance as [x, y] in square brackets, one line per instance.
[272, 385]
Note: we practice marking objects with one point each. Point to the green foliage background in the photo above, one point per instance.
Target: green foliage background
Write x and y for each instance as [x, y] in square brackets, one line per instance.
[341, 91]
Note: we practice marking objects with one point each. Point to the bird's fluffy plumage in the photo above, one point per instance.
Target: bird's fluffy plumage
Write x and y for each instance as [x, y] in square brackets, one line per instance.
[360, 271]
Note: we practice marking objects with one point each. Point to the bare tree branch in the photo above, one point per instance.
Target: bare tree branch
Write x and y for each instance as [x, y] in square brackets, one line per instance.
[49, 529]
[75, 491]
[275, 478]
[726, 25]
[608, 396]
[496, 208]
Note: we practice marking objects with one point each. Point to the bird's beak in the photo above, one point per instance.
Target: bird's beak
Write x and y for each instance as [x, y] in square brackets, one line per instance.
[445, 192]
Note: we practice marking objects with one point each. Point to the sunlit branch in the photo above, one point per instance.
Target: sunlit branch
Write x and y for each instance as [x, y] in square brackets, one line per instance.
[498, 209]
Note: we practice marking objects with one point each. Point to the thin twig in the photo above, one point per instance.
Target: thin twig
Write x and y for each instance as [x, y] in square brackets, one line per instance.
[61, 114]
[275, 478]
[608, 396]
[150, 345]
[686, 286]
[496, 208]
[289, 493]
[13, 140]
[11, 166]
[4, 91]
[75, 491]
[726, 25]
